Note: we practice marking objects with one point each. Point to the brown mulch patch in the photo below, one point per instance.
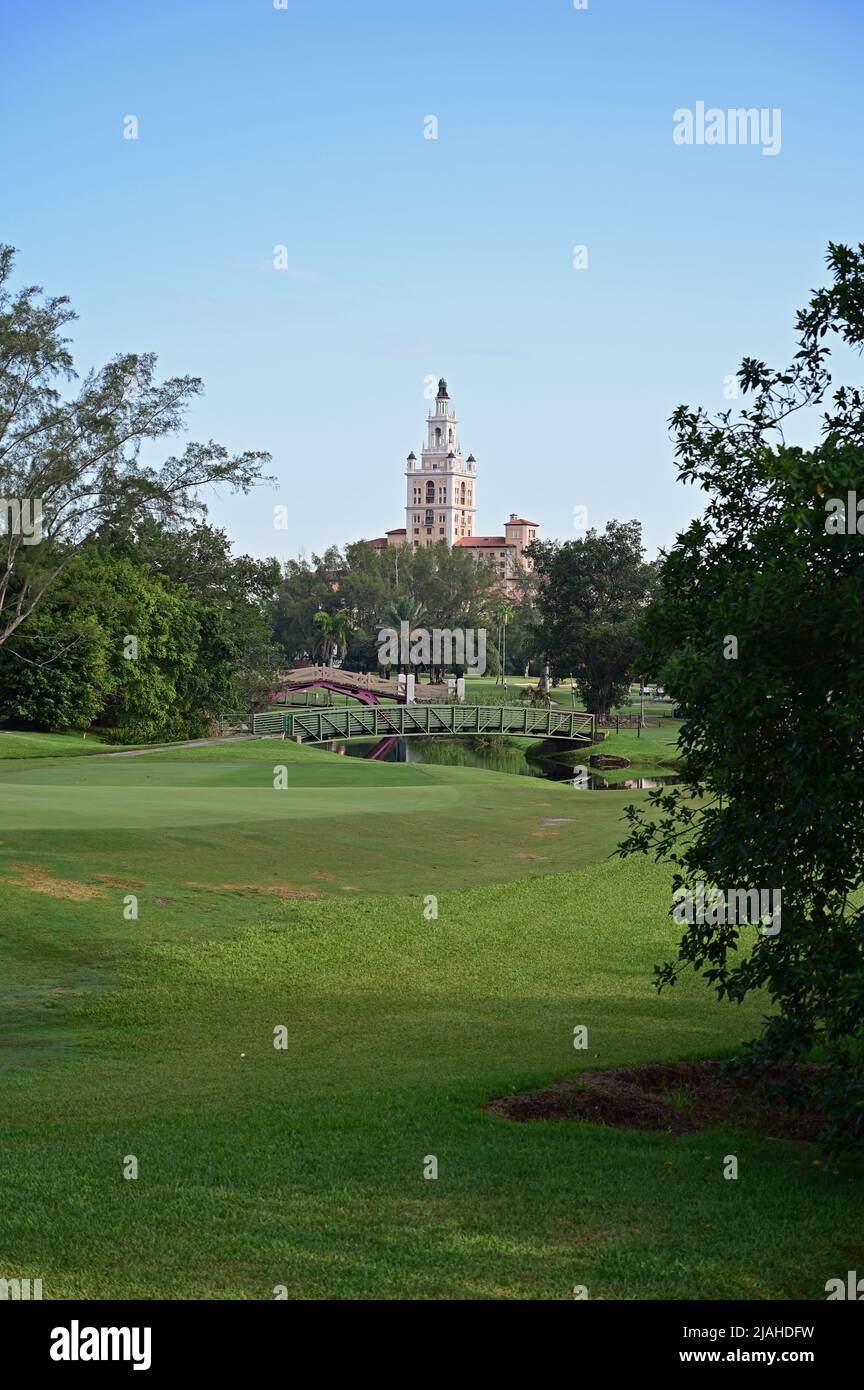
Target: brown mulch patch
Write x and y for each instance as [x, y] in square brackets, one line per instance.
[780, 1102]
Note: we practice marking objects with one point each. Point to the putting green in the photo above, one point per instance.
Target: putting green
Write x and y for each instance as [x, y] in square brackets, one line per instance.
[137, 807]
[212, 815]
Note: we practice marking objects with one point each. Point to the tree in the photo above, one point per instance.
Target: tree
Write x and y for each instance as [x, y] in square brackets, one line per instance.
[452, 590]
[116, 646]
[404, 609]
[72, 466]
[242, 589]
[303, 592]
[55, 670]
[503, 614]
[332, 638]
[757, 629]
[590, 593]
[524, 631]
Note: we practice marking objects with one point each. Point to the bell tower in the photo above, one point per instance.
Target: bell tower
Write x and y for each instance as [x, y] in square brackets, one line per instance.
[440, 501]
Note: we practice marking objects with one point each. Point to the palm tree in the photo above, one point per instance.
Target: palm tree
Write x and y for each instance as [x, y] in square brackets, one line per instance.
[332, 635]
[342, 631]
[405, 609]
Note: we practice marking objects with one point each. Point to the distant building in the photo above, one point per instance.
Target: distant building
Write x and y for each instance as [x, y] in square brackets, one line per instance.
[441, 501]
[507, 551]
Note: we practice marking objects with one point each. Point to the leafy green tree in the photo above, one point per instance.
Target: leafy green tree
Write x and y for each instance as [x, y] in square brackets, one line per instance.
[366, 586]
[757, 629]
[115, 646]
[452, 589]
[304, 590]
[590, 593]
[524, 629]
[76, 459]
[55, 670]
[240, 588]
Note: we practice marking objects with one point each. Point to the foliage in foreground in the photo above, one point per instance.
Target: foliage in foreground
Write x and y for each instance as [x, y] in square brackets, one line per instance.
[757, 630]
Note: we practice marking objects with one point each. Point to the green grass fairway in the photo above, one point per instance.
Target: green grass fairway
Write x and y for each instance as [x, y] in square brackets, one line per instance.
[303, 1167]
[211, 815]
[25, 745]
[486, 690]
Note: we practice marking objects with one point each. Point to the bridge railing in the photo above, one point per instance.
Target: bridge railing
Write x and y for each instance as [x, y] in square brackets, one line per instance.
[269, 723]
[403, 721]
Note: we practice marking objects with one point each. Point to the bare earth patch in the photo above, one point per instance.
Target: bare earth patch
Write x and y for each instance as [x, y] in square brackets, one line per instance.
[113, 882]
[37, 879]
[780, 1102]
[274, 890]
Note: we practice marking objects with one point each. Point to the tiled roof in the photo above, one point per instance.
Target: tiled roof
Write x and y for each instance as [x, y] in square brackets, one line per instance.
[520, 521]
[492, 542]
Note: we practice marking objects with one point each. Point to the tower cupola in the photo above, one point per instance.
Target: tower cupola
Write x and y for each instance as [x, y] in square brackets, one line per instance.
[439, 501]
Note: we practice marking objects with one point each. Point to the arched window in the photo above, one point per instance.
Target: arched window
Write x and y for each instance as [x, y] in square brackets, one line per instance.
[430, 491]
[437, 434]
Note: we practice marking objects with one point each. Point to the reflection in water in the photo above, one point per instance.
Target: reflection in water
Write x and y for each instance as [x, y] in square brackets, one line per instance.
[492, 754]
[599, 784]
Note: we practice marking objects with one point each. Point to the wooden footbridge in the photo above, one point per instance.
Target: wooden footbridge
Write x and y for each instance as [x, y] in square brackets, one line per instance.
[360, 685]
[448, 721]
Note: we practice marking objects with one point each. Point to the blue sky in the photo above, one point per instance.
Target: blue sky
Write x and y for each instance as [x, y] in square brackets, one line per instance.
[411, 257]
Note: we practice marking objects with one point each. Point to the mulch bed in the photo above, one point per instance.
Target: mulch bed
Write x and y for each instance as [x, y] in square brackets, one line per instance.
[780, 1102]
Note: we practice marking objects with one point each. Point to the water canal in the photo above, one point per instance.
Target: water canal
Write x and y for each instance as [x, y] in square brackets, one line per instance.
[495, 754]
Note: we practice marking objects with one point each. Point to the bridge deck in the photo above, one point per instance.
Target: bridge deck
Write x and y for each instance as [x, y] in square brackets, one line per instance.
[353, 682]
[403, 721]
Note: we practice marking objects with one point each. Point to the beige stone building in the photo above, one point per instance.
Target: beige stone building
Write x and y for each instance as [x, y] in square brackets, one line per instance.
[441, 501]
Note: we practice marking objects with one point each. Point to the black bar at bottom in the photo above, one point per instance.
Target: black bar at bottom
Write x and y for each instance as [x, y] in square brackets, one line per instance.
[82, 1339]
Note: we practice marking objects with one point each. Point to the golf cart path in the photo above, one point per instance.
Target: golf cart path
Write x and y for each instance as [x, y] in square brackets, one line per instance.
[192, 743]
